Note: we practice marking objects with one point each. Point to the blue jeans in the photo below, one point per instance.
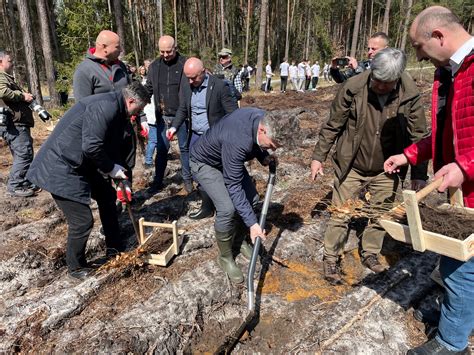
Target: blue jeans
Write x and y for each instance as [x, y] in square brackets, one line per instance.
[151, 144]
[457, 310]
[20, 142]
[163, 146]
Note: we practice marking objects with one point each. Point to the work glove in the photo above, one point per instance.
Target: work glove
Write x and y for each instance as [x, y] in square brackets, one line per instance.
[118, 172]
[124, 192]
[145, 129]
[170, 133]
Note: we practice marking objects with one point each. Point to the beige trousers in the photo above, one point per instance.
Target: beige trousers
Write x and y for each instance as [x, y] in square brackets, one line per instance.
[382, 189]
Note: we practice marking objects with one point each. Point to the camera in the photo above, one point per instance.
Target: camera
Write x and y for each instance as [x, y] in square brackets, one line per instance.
[342, 62]
[42, 113]
[5, 116]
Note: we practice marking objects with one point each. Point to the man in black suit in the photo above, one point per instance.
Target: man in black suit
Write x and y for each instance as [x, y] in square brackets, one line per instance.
[204, 102]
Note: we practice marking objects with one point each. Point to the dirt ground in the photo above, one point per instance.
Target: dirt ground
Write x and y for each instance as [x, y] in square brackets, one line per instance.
[190, 306]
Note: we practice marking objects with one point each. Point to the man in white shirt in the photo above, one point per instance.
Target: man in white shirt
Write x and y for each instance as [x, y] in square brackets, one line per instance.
[268, 75]
[315, 75]
[301, 75]
[284, 67]
[293, 71]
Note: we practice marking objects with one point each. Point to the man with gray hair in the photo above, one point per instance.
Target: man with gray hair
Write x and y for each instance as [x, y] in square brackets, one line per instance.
[218, 163]
[374, 114]
[82, 155]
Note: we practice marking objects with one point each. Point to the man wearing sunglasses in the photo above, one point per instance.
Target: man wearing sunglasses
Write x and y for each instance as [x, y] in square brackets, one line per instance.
[228, 72]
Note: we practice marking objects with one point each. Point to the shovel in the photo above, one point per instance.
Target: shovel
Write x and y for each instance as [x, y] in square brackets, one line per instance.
[129, 210]
[234, 337]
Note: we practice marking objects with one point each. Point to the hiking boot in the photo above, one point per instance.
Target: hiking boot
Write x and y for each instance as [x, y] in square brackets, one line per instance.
[21, 192]
[81, 274]
[226, 259]
[433, 347]
[332, 271]
[207, 207]
[373, 263]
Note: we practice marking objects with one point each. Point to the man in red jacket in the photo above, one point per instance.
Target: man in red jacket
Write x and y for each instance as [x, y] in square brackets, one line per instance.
[437, 35]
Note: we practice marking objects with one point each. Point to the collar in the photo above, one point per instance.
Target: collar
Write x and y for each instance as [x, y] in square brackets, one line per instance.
[205, 82]
[458, 57]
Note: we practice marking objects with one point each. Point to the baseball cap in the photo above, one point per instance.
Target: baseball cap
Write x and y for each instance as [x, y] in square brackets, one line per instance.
[225, 51]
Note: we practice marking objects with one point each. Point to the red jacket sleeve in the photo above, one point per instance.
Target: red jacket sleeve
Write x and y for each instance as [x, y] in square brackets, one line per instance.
[419, 152]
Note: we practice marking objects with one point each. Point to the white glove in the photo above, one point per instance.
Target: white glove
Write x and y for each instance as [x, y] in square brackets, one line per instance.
[145, 128]
[118, 172]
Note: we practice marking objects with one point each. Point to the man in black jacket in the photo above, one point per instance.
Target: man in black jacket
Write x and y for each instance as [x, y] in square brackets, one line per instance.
[165, 80]
[217, 162]
[77, 162]
[204, 101]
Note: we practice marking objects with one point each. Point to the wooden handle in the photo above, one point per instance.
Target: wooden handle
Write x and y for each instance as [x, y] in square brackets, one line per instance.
[428, 188]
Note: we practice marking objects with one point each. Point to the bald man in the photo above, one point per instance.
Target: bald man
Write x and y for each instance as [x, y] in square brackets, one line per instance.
[378, 41]
[101, 71]
[438, 36]
[165, 80]
[205, 100]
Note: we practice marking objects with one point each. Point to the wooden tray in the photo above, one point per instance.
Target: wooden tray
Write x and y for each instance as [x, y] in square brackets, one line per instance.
[422, 240]
[163, 258]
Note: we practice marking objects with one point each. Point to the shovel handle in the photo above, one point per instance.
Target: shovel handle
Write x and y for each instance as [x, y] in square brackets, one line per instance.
[428, 189]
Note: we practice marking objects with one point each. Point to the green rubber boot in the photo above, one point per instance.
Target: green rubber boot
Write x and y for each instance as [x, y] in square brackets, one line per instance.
[240, 243]
[226, 259]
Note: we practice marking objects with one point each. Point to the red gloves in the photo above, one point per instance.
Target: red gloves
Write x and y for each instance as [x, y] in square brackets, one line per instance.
[145, 129]
[124, 192]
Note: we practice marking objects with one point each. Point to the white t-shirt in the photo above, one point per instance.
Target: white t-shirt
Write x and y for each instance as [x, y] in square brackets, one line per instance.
[249, 69]
[293, 70]
[284, 69]
[301, 70]
[268, 71]
[149, 111]
[315, 70]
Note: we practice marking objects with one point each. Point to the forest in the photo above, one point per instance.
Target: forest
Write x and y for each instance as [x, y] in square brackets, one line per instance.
[48, 38]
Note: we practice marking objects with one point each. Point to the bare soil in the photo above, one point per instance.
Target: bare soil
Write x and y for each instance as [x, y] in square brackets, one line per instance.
[190, 305]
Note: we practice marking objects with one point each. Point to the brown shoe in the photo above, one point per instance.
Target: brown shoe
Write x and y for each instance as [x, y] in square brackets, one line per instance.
[373, 263]
[332, 271]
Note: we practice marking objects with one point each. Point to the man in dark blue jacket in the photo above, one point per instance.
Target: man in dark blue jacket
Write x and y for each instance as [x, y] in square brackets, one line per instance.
[78, 160]
[217, 163]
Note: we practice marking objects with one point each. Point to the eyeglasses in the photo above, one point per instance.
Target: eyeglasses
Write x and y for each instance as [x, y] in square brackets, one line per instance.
[224, 56]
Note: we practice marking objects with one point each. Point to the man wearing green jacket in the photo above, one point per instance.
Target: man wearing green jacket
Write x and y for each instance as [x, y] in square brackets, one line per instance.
[373, 114]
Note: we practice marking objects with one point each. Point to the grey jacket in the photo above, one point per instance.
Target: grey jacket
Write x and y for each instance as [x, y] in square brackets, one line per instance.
[93, 76]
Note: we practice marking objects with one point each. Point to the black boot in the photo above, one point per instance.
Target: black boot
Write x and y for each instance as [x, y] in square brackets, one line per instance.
[433, 347]
[207, 207]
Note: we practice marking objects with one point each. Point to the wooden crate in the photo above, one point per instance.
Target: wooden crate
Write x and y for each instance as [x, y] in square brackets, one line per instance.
[422, 240]
[163, 258]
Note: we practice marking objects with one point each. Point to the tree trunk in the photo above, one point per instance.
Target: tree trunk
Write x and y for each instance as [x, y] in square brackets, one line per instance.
[53, 32]
[119, 23]
[405, 26]
[247, 32]
[261, 42]
[306, 49]
[355, 32]
[31, 67]
[160, 15]
[47, 51]
[287, 39]
[11, 19]
[132, 26]
[386, 16]
[222, 23]
[175, 9]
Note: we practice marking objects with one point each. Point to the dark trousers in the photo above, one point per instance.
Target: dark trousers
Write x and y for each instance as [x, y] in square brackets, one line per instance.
[20, 142]
[284, 81]
[314, 81]
[246, 84]
[163, 146]
[80, 222]
[307, 82]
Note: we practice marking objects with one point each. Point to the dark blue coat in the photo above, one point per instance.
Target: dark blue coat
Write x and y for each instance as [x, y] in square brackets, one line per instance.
[90, 137]
[226, 146]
